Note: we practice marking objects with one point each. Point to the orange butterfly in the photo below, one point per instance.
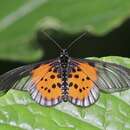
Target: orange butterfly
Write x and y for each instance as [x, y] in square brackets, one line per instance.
[78, 81]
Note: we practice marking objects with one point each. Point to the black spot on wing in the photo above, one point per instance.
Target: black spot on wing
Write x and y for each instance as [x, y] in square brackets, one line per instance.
[52, 76]
[76, 76]
[49, 90]
[70, 84]
[59, 85]
[88, 78]
[75, 86]
[45, 88]
[80, 90]
[53, 85]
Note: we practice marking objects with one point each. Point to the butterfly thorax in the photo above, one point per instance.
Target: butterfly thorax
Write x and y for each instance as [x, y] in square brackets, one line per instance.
[64, 65]
[64, 58]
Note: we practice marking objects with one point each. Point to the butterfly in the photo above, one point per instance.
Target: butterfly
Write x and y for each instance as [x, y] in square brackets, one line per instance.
[78, 81]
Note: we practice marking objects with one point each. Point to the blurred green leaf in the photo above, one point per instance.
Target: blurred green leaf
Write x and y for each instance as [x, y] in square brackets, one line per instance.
[111, 112]
[20, 21]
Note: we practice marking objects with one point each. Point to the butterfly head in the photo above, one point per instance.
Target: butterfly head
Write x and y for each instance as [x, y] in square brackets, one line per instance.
[64, 53]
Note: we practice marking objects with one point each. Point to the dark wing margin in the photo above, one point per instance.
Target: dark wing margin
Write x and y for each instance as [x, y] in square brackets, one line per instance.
[8, 79]
[111, 77]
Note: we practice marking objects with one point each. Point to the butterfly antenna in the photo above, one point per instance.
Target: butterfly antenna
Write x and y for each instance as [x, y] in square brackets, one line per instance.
[53, 40]
[74, 41]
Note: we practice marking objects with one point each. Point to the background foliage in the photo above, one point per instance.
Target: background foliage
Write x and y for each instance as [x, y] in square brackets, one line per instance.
[22, 41]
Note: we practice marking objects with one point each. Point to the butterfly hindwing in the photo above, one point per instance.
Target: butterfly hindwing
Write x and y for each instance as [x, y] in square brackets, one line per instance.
[82, 89]
[47, 84]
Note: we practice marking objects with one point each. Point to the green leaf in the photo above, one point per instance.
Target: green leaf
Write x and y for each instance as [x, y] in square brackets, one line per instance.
[111, 112]
[20, 21]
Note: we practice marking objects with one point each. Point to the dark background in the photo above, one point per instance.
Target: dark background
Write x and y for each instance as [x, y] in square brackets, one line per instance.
[115, 43]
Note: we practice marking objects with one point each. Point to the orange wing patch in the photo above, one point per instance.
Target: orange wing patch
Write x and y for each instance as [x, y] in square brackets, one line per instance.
[81, 82]
[49, 84]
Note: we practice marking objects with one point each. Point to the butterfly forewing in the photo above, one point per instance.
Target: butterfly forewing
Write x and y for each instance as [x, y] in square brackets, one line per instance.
[14, 76]
[110, 77]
